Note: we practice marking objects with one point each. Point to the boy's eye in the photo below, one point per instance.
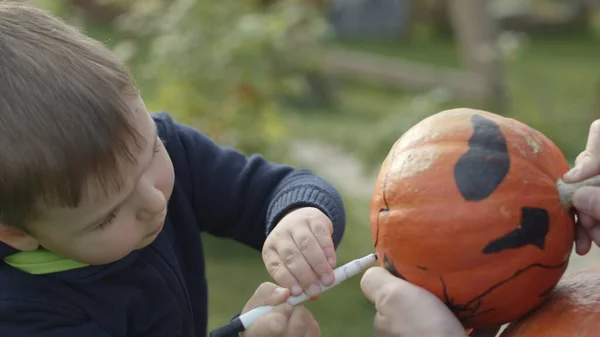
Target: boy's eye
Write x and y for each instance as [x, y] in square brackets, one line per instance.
[158, 146]
[108, 221]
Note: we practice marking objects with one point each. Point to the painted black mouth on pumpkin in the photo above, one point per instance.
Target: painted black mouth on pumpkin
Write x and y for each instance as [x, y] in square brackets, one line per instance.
[532, 230]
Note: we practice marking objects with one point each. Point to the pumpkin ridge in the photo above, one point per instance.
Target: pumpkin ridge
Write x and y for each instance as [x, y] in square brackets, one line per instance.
[544, 173]
[386, 207]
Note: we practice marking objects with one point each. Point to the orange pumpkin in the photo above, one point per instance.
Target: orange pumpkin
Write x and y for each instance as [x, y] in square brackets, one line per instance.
[466, 206]
[572, 309]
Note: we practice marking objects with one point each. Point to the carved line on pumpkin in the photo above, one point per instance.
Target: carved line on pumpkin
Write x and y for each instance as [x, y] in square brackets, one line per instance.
[480, 170]
[383, 197]
[532, 230]
[466, 312]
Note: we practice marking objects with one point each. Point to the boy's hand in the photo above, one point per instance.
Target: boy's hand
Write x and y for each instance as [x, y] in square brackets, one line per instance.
[299, 253]
[587, 199]
[284, 320]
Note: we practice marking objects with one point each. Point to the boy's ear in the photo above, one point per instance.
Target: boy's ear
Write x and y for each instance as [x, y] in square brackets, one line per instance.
[17, 238]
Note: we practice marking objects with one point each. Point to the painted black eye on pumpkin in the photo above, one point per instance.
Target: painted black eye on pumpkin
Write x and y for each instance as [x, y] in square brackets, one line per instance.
[484, 166]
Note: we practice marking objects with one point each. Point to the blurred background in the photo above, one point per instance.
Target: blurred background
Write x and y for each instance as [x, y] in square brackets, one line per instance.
[331, 84]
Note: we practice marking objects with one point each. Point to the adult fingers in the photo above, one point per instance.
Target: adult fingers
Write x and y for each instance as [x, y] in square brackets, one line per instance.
[273, 324]
[593, 142]
[594, 234]
[302, 324]
[587, 200]
[587, 163]
[485, 332]
[583, 243]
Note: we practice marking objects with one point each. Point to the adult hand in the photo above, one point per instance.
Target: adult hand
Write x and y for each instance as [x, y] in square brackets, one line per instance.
[284, 320]
[406, 310]
[586, 200]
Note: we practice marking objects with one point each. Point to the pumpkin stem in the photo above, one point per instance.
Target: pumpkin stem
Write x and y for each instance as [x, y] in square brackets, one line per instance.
[566, 191]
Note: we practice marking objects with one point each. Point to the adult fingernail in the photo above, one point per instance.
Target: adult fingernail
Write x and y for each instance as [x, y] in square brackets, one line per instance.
[331, 261]
[280, 291]
[296, 290]
[584, 199]
[326, 279]
[595, 235]
[313, 290]
[572, 173]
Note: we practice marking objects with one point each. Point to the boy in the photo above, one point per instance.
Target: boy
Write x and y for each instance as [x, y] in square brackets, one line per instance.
[101, 204]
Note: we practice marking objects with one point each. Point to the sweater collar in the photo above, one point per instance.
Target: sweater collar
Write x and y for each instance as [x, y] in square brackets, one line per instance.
[44, 262]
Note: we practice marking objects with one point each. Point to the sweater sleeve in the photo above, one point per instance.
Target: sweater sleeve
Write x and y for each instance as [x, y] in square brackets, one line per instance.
[25, 319]
[243, 197]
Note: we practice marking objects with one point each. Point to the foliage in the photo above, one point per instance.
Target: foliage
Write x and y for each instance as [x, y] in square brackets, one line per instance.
[224, 65]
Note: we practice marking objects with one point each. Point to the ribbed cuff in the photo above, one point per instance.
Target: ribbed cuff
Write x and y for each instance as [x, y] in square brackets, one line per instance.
[308, 196]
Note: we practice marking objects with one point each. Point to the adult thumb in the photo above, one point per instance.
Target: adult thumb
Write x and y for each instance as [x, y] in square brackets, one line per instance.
[267, 294]
[374, 280]
[274, 323]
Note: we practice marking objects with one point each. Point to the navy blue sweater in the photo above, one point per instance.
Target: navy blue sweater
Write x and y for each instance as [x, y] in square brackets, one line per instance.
[161, 291]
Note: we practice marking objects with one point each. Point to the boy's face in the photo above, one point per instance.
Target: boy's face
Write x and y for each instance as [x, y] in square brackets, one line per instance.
[103, 230]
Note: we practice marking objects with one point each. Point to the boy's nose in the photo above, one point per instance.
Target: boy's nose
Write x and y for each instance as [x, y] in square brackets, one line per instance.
[148, 215]
[153, 205]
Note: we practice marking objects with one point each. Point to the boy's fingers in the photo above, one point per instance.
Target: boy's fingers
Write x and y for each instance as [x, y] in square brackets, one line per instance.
[322, 229]
[296, 264]
[312, 251]
[267, 294]
[280, 272]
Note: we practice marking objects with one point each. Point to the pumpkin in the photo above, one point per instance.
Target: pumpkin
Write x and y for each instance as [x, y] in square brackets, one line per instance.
[572, 309]
[467, 206]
